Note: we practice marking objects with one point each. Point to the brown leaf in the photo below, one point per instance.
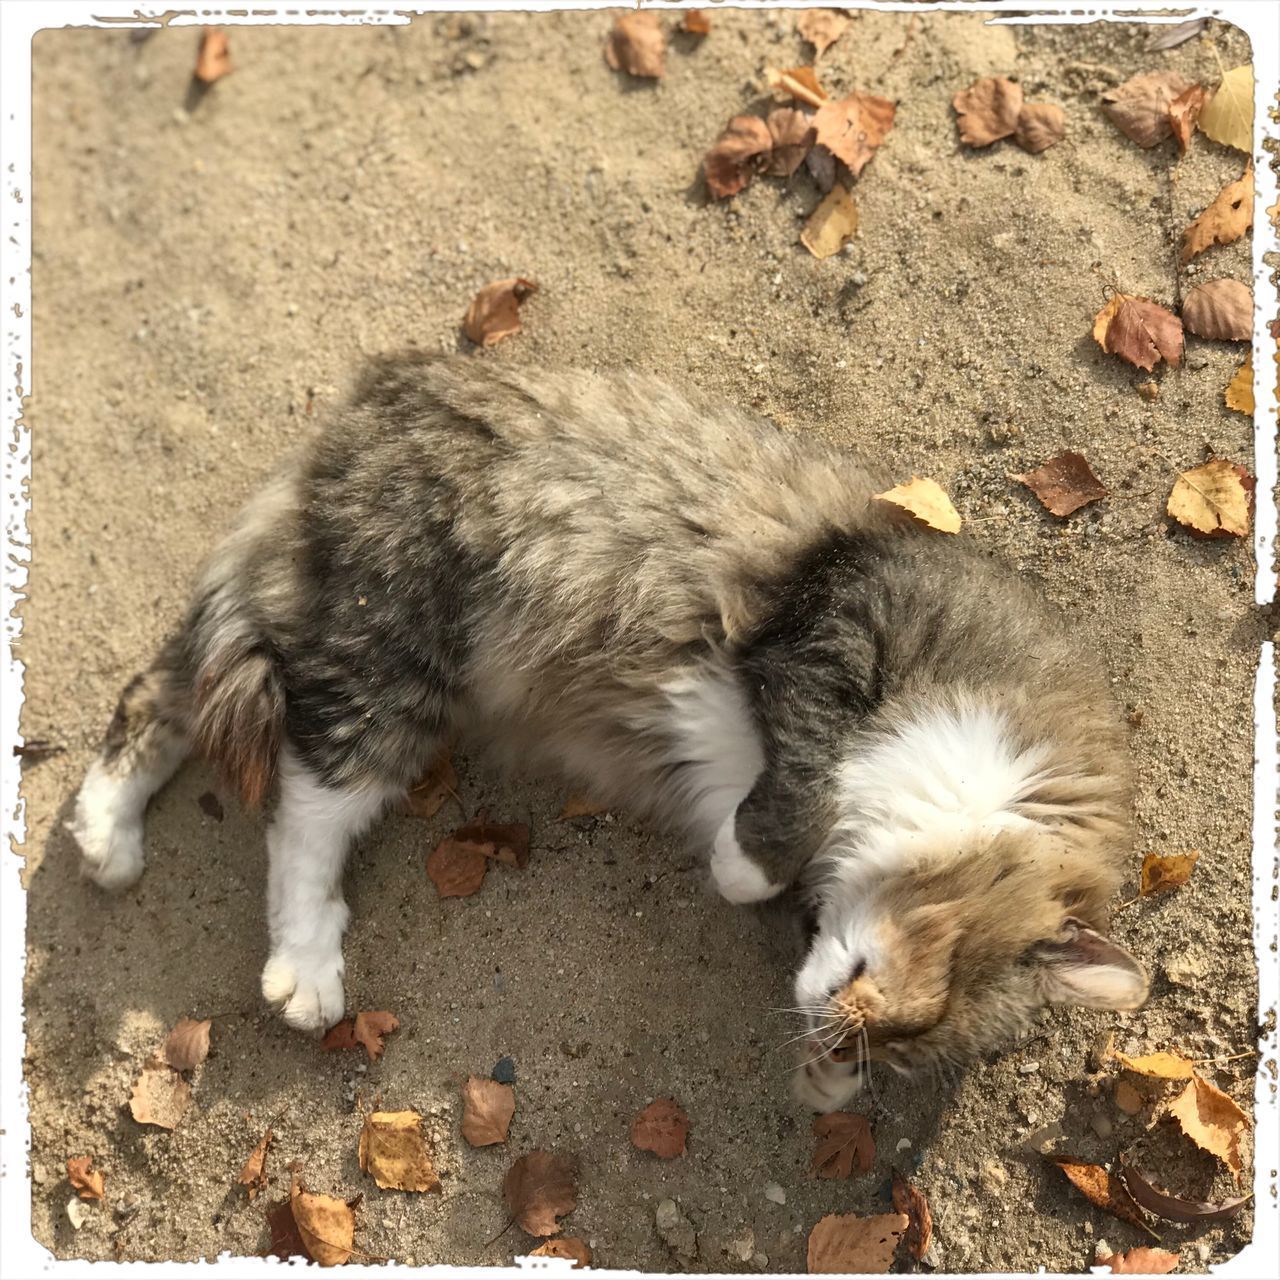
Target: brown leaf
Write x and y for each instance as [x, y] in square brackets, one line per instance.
[792, 134]
[187, 1045]
[1184, 111]
[854, 127]
[741, 151]
[1138, 1262]
[1103, 1190]
[1139, 108]
[394, 1151]
[1219, 309]
[637, 46]
[844, 1243]
[1226, 219]
[505, 842]
[831, 225]
[487, 1108]
[1158, 1066]
[1040, 125]
[539, 1188]
[927, 501]
[213, 58]
[565, 1247]
[844, 1145]
[695, 23]
[580, 807]
[457, 868]
[661, 1128]
[907, 1199]
[1211, 1119]
[800, 83]
[426, 798]
[1239, 393]
[494, 312]
[821, 28]
[253, 1177]
[1214, 499]
[365, 1029]
[1139, 331]
[1064, 484]
[160, 1096]
[1175, 1208]
[89, 1182]
[987, 110]
[326, 1226]
[1163, 871]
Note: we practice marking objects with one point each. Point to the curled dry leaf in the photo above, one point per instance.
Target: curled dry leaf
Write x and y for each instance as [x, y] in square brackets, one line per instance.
[253, 1176]
[1039, 126]
[1214, 500]
[1158, 1066]
[832, 224]
[213, 58]
[853, 128]
[1219, 309]
[160, 1096]
[426, 798]
[1227, 116]
[1139, 108]
[845, 1145]
[792, 134]
[487, 1108]
[1064, 484]
[1184, 112]
[565, 1247]
[821, 28]
[987, 110]
[737, 155]
[637, 46]
[1239, 392]
[662, 1128]
[187, 1045]
[1138, 1262]
[457, 869]
[927, 501]
[365, 1030]
[1163, 871]
[1170, 37]
[695, 23]
[1103, 1190]
[844, 1243]
[1211, 1119]
[1172, 1207]
[908, 1200]
[539, 1188]
[89, 1182]
[580, 807]
[326, 1226]
[494, 312]
[1226, 219]
[393, 1149]
[1139, 331]
[800, 83]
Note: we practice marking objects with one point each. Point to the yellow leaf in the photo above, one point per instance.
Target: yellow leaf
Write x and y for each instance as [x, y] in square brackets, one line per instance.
[927, 501]
[832, 224]
[1159, 1066]
[1161, 871]
[1213, 499]
[1211, 1120]
[325, 1224]
[393, 1149]
[1239, 393]
[1226, 219]
[1228, 116]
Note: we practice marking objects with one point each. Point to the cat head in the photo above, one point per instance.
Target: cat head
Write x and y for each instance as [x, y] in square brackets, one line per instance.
[949, 947]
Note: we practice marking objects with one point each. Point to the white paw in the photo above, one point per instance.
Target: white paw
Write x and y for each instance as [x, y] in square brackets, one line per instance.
[826, 1085]
[306, 987]
[110, 844]
[736, 877]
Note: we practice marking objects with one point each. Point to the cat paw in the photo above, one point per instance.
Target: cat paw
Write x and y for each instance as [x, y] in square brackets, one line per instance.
[825, 1085]
[111, 848]
[738, 879]
[305, 989]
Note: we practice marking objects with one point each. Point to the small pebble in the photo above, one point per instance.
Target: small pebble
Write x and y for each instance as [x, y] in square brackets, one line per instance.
[504, 1070]
[774, 1193]
[1029, 1068]
[77, 1212]
[1101, 1125]
[904, 1144]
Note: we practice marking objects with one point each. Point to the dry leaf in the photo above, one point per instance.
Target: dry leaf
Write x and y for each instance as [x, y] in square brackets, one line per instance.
[800, 83]
[695, 23]
[187, 1045]
[1139, 331]
[1138, 1262]
[844, 1243]
[505, 842]
[1139, 108]
[1161, 871]
[792, 135]
[487, 1108]
[365, 1029]
[1172, 1207]
[1239, 392]
[394, 1151]
[539, 1188]
[1226, 219]
[253, 1177]
[1211, 1120]
[1040, 125]
[1103, 1190]
[854, 127]
[213, 58]
[426, 798]
[160, 1096]
[845, 1145]
[832, 224]
[741, 151]
[1170, 37]
[906, 1199]
[1158, 1066]
[494, 312]
[326, 1226]
[637, 45]
[927, 501]
[1219, 309]
[1227, 117]
[580, 807]
[1064, 484]
[661, 1128]
[91, 1183]
[1214, 499]
[821, 28]
[456, 869]
[987, 110]
[565, 1247]
[1184, 112]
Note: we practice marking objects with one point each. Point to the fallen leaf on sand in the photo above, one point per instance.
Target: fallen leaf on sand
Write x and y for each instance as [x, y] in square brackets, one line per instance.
[1214, 499]
[494, 312]
[1040, 125]
[854, 127]
[1139, 108]
[426, 798]
[1239, 392]
[987, 110]
[1163, 871]
[736, 156]
[1064, 484]
[539, 1188]
[1139, 331]
[365, 1030]
[213, 58]
[1219, 309]
[487, 1108]
[661, 1128]
[637, 45]
[326, 1226]
[1226, 219]
[160, 1096]
[394, 1151]
[187, 1045]
[927, 501]
[832, 224]
[1103, 1190]
[906, 1199]
[88, 1181]
[821, 28]
[1158, 1066]
[505, 842]
[792, 135]
[1211, 1119]
[695, 23]
[1175, 1208]
[580, 807]
[844, 1243]
[1184, 112]
[1170, 37]
[565, 1247]
[1138, 1262]
[845, 1145]
[800, 83]
[253, 1177]
[1227, 116]
[457, 869]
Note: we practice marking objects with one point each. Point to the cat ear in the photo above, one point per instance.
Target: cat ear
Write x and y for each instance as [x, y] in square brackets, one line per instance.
[1082, 967]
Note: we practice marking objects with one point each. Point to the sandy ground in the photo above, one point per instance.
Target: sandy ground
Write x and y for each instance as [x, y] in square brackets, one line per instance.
[206, 276]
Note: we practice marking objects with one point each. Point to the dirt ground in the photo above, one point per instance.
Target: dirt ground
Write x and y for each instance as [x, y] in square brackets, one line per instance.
[207, 274]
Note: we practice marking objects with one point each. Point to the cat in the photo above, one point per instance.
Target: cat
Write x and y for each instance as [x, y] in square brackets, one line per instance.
[700, 620]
